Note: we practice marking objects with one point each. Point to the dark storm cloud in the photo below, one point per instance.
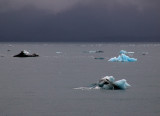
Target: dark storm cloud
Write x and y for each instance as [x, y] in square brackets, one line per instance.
[79, 20]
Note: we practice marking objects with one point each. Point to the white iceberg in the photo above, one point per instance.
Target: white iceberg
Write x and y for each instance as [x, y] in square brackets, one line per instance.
[123, 57]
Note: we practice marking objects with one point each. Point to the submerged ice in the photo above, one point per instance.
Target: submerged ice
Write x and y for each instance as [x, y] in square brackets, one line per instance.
[123, 57]
[108, 83]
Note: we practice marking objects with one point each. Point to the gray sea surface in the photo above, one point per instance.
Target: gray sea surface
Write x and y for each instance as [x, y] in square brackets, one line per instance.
[44, 86]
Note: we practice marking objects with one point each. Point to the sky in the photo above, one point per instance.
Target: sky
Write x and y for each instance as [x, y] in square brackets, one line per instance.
[80, 20]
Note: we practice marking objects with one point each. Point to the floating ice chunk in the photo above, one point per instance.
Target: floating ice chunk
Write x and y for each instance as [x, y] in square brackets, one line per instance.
[108, 83]
[110, 78]
[99, 51]
[84, 88]
[10, 45]
[122, 58]
[91, 51]
[58, 52]
[88, 88]
[122, 84]
[125, 52]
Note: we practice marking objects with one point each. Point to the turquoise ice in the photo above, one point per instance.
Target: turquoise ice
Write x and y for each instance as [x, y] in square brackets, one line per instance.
[123, 57]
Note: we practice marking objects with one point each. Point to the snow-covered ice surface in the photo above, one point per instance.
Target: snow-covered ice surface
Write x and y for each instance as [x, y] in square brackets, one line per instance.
[26, 52]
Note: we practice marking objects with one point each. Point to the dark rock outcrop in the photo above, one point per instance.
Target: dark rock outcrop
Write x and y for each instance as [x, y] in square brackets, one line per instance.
[25, 53]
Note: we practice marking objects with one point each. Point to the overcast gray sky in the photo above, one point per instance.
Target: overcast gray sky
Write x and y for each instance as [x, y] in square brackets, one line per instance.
[79, 20]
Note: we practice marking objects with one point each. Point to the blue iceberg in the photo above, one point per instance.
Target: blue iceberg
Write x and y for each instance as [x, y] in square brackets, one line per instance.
[108, 83]
[123, 57]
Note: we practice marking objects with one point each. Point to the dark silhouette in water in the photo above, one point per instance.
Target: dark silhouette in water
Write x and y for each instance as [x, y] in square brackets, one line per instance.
[99, 58]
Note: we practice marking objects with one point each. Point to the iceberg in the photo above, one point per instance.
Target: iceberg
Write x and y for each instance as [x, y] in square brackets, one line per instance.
[123, 57]
[108, 83]
[25, 53]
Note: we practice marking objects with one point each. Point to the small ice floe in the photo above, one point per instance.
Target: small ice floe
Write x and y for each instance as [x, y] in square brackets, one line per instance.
[108, 83]
[125, 52]
[123, 57]
[25, 53]
[99, 51]
[84, 88]
[58, 52]
[10, 45]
